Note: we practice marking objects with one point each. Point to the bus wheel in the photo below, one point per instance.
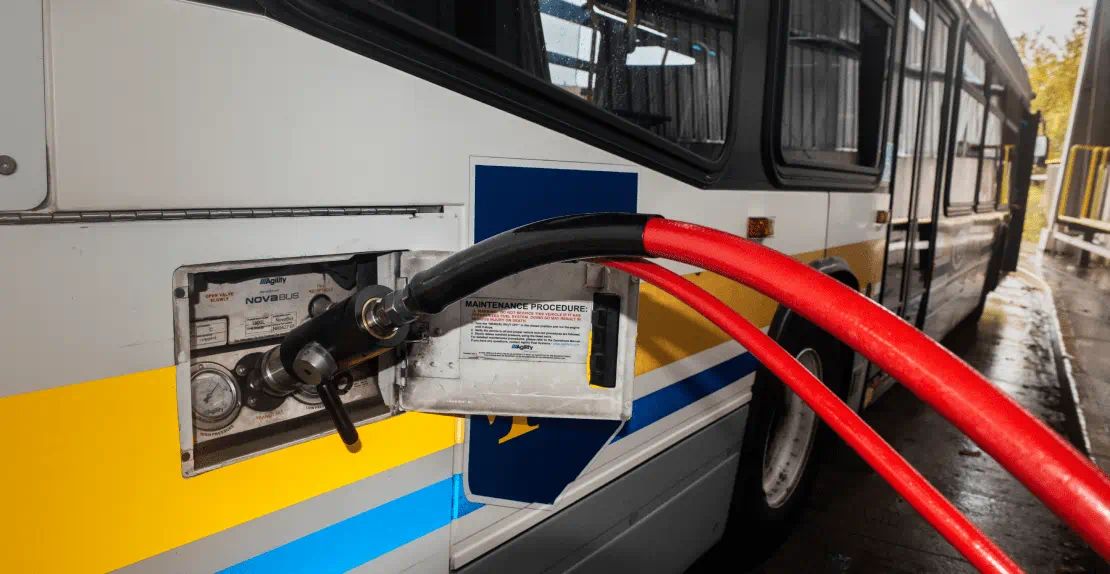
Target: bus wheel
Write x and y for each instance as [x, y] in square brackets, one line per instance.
[790, 442]
[784, 437]
[990, 281]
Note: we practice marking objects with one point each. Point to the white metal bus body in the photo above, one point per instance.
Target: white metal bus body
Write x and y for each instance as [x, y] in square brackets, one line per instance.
[169, 157]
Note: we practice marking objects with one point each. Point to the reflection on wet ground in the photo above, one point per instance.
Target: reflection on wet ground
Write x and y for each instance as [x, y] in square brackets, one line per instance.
[856, 523]
[1083, 305]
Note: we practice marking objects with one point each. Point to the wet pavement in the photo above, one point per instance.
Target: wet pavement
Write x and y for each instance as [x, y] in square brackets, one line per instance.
[1083, 306]
[856, 523]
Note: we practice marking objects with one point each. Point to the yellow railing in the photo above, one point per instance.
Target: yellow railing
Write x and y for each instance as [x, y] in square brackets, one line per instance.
[1096, 171]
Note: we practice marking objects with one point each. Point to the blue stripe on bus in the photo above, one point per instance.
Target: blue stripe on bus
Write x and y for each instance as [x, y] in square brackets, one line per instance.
[371, 534]
[653, 407]
[360, 538]
[461, 506]
[670, 399]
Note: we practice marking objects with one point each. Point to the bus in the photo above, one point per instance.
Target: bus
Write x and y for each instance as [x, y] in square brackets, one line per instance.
[184, 182]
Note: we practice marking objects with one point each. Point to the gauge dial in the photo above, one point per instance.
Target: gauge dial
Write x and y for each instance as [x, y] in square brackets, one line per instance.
[215, 396]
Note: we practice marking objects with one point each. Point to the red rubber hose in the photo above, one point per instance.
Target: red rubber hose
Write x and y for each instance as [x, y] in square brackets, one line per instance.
[1067, 482]
[954, 526]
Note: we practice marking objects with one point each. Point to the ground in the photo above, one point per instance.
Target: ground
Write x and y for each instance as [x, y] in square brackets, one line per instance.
[1083, 305]
[856, 523]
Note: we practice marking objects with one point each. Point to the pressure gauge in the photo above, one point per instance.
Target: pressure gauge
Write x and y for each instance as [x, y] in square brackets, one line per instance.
[216, 399]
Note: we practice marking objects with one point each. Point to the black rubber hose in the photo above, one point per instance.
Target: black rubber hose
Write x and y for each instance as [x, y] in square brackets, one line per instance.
[549, 241]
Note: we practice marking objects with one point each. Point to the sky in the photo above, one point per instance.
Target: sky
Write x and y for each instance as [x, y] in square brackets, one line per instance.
[1055, 17]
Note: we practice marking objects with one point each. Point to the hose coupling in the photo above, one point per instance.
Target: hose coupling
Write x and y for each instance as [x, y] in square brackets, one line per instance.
[382, 317]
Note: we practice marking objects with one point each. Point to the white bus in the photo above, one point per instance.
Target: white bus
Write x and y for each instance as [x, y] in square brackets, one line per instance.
[184, 182]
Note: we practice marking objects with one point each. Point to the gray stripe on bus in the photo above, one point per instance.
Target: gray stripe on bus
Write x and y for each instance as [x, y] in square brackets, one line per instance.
[239, 543]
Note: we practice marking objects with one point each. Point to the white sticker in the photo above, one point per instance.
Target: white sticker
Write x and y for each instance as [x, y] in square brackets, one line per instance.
[524, 330]
[208, 333]
[269, 325]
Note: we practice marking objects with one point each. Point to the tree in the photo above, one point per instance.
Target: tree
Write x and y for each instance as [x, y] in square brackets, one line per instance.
[1053, 68]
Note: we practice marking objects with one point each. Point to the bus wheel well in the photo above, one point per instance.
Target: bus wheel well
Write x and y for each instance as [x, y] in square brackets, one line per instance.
[764, 510]
[837, 268]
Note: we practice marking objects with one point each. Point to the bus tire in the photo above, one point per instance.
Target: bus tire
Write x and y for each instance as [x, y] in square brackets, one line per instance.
[782, 441]
[993, 276]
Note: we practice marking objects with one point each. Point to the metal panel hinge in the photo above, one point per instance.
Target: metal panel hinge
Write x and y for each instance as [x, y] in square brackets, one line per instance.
[174, 214]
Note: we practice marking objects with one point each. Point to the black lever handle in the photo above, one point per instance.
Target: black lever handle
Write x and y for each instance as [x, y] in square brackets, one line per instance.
[329, 395]
[330, 343]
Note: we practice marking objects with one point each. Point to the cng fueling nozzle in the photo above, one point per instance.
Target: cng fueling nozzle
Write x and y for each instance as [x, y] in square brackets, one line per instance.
[316, 352]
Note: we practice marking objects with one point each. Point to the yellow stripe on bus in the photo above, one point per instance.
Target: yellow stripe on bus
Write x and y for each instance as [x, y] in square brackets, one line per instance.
[864, 258]
[670, 331]
[91, 474]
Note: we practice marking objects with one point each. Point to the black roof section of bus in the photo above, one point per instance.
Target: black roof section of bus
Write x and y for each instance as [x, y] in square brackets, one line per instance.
[982, 15]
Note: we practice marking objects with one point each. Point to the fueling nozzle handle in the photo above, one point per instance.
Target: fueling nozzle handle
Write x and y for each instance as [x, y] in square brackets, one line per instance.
[326, 346]
[329, 395]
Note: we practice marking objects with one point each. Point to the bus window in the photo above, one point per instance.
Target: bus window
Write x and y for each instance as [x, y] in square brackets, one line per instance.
[931, 138]
[835, 83]
[969, 130]
[669, 71]
[932, 176]
[911, 106]
[910, 109]
[992, 162]
[992, 151]
[1010, 137]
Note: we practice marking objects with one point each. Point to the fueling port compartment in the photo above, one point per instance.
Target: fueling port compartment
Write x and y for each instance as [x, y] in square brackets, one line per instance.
[226, 317]
[554, 341]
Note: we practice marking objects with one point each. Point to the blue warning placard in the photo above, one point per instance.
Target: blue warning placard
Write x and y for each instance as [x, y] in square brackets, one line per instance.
[521, 460]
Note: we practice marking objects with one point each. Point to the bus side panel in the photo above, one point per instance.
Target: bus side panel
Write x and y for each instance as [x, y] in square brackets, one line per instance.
[210, 85]
[335, 531]
[689, 484]
[963, 254]
[856, 236]
[166, 104]
[688, 373]
[89, 406]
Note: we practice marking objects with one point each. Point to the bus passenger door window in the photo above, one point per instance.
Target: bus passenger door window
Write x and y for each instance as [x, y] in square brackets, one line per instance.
[906, 168]
[969, 131]
[931, 178]
[992, 153]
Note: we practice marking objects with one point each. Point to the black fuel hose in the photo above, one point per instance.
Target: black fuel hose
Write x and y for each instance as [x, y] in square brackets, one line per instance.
[549, 241]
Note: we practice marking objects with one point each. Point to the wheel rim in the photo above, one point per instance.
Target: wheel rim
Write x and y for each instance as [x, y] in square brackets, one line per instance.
[793, 432]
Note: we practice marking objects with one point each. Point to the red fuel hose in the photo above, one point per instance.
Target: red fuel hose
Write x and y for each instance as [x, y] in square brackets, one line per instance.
[954, 526]
[1068, 483]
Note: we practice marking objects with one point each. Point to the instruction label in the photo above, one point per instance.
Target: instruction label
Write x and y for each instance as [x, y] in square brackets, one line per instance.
[208, 333]
[524, 330]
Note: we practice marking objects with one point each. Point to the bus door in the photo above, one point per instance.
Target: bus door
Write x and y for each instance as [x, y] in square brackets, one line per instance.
[918, 166]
